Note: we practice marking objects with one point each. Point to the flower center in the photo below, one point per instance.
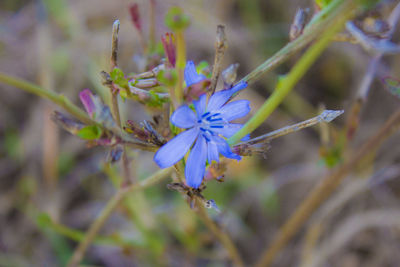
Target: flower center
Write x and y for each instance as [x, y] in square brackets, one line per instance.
[209, 122]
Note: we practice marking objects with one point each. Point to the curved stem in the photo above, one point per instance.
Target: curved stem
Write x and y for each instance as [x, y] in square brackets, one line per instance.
[59, 99]
[287, 84]
[221, 235]
[327, 186]
[109, 208]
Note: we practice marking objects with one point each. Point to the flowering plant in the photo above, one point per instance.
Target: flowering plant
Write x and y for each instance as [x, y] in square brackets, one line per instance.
[207, 126]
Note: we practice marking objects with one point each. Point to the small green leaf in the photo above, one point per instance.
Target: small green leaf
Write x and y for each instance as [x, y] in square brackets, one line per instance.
[118, 77]
[156, 100]
[117, 74]
[167, 77]
[91, 132]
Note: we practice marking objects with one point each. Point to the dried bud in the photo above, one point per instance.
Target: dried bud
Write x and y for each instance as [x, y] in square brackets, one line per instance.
[375, 26]
[145, 133]
[68, 124]
[299, 22]
[138, 132]
[181, 188]
[194, 91]
[135, 17]
[248, 149]
[168, 42]
[144, 83]
[229, 75]
[155, 137]
[221, 38]
[115, 154]
[372, 43]
[216, 171]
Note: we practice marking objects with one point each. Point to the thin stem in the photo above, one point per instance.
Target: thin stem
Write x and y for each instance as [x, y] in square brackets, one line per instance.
[220, 47]
[363, 90]
[221, 235]
[180, 65]
[114, 44]
[321, 192]
[287, 84]
[58, 99]
[109, 208]
[77, 235]
[72, 109]
[152, 28]
[114, 64]
[114, 100]
[312, 31]
[326, 116]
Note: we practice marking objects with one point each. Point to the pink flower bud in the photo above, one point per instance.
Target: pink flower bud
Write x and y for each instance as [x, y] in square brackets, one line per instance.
[86, 97]
[168, 41]
[134, 11]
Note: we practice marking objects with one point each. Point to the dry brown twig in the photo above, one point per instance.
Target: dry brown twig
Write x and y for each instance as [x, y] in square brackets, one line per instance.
[322, 191]
[220, 47]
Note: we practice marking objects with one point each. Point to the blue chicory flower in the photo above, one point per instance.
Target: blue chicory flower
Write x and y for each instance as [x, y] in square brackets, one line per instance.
[207, 128]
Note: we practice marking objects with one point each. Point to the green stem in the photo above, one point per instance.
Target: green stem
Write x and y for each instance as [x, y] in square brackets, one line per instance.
[180, 65]
[109, 208]
[77, 235]
[287, 84]
[312, 31]
[59, 99]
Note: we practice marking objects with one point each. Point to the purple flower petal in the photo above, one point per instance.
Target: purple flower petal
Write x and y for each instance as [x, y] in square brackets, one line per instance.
[221, 97]
[212, 152]
[200, 105]
[245, 138]
[176, 148]
[196, 163]
[235, 110]
[183, 117]
[228, 130]
[224, 149]
[191, 75]
[87, 101]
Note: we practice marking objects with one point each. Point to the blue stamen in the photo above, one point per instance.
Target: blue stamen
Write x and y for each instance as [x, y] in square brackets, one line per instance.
[205, 114]
[212, 120]
[216, 126]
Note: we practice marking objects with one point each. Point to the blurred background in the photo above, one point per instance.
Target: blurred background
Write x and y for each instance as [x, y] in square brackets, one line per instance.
[52, 185]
